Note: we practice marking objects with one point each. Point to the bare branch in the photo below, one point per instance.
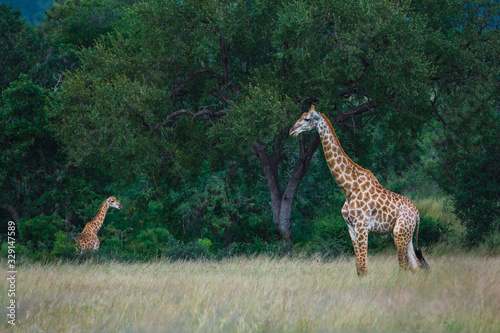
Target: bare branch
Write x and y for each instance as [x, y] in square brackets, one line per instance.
[356, 111]
[59, 81]
[205, 112]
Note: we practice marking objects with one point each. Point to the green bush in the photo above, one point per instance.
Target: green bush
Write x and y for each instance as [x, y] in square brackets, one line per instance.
[330, 234]
[64, 247]
[178, 250]
[476, 197]
[152, 242]
[491, 244]
[431, 231]
[39, 234]
[379, 243]
[112, 244]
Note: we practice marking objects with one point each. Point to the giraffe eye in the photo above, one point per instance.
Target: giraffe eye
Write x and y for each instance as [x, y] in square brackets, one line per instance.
[306, 119]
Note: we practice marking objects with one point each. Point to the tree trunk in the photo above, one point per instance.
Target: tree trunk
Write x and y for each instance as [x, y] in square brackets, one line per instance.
[281, 204]
[14, 214]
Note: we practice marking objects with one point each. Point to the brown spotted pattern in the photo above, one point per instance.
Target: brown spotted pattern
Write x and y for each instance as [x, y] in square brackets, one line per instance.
[369, 207]
[88, 240]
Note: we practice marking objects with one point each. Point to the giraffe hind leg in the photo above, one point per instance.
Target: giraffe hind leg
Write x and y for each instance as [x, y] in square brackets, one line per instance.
[402, 239]
[412, 257]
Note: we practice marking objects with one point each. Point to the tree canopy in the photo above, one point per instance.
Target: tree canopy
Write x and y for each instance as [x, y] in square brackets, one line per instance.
[184, 107]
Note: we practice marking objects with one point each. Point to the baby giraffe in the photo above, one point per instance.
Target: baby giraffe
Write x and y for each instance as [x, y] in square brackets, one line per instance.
[369, 207]
[88, 240]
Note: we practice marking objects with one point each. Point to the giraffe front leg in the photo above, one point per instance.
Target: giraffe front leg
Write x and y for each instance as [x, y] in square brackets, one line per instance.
[359, 238]
[362, 261]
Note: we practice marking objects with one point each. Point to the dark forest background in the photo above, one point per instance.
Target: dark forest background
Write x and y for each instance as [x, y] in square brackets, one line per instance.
[181, 110]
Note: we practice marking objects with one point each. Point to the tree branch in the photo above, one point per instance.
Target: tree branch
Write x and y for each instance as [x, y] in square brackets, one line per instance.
[205, 112]
[356, 111]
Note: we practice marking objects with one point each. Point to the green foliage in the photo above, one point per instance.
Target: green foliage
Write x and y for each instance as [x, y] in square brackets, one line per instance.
[39, 235]
[11, 28]
[325, 235]
[81, 22]
[431, 231]
[470, 167]
[113, 117]
[166, 100]
[33, 176]
[152, 242]
[64, 247]
[261, 115]
[23, 110]
[491, 243]
[222, 206]
[206, 243]
[26, 50]
[188, 251]
[477, 196]
[30, 151]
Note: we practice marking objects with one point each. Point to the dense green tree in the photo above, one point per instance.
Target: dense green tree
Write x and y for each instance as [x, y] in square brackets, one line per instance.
[466, 93]
[133, 94]
[11, 27]
[81, 22]
[29, 150]
[470, 171]
[26, 50]
[357, 59]
[183, 83]
[477, 196]
[184, 107]
[34, 175]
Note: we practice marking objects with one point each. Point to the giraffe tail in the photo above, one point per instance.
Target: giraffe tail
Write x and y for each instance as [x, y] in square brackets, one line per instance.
[418, 252]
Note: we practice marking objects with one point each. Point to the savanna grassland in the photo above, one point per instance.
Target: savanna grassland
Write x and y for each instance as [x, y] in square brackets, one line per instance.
[460, 294]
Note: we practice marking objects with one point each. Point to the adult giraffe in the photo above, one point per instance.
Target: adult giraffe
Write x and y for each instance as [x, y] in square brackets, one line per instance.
[369, 207]
[88, 239]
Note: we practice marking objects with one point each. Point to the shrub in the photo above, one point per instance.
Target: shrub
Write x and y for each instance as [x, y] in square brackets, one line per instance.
[38, 234]
[178, 250]
[491, 244]
[152, 242]
[476, 197]
[64, 247]
[330, 233]
[431, 231]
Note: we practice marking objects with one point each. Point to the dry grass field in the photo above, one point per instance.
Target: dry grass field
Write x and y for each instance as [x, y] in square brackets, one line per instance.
[460, 294]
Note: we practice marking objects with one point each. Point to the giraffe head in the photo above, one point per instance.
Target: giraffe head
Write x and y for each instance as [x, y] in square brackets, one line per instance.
[112, 202]
[307, 122]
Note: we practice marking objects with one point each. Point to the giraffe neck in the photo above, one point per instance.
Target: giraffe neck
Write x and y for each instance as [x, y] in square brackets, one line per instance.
[343, 169]
[96, 223]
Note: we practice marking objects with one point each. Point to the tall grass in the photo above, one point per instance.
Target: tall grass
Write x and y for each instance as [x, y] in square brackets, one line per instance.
[461, 293]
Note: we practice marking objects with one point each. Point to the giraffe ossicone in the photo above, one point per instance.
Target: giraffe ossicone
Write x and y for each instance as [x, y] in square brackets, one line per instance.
[369, 207]
[88, 239]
